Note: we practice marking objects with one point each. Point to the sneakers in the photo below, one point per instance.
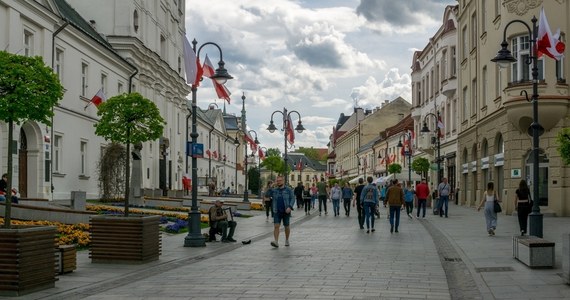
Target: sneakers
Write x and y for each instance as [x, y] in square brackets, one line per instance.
[373, 229]
[391, 228]
[368, 231]
[491, 232]
[286, 243]
[275, 244]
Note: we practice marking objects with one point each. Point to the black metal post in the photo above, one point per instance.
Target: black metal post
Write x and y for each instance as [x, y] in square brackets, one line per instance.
[195, 237]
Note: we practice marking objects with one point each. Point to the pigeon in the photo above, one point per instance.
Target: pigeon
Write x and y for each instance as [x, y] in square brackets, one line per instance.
[246, 242]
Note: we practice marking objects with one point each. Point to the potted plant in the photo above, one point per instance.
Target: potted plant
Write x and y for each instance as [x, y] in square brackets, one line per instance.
[28, 91]
[129, 119]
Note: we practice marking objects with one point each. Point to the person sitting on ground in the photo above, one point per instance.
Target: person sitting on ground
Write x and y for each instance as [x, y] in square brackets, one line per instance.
[4, 190]
[219, 222]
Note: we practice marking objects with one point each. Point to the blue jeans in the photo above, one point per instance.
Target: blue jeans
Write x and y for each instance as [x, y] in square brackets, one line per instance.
[443, 200]
[336, 206]
[421, 206]
[395, 214]
[369, 208]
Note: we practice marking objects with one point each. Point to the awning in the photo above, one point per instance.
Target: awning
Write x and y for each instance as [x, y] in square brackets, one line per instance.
[382, 180]
[355, 179]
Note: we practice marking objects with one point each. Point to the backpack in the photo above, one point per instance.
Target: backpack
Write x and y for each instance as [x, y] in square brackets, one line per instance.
[369, 197]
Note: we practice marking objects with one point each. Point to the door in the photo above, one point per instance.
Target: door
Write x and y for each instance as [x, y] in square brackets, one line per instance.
[542, 176]
[23, 165]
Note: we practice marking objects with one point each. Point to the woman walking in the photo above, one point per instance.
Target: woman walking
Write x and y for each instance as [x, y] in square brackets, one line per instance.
[268, 200]
[347, 194]
[523, 205]
[488, 201]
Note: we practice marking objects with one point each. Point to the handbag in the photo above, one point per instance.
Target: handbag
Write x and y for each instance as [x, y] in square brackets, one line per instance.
[496, 206]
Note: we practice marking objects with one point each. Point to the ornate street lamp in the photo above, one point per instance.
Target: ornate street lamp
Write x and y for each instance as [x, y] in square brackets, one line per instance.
[287, 126]
[435, 140]
[195, 237]
[407, 151]
[504, 58]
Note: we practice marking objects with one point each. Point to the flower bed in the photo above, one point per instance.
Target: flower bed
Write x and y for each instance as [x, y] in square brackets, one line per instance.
[77, 234]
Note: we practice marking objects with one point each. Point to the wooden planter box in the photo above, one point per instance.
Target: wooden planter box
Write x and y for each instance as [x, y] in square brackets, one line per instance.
[133, 239]
[67, 258]
[27, 259]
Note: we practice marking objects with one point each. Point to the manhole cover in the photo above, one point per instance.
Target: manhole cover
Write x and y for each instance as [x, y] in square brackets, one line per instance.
[494, 269]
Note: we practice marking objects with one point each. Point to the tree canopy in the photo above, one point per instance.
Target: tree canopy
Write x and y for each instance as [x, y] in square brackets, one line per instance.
[129, 118]
[28, 89]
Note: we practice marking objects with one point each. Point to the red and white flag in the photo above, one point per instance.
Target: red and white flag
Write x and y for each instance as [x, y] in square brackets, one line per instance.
[191, 64]
[97, 99]
[300, 165]
[440, 127]
[289, 133]
[208, 71]
[547, 43]
[261, 154]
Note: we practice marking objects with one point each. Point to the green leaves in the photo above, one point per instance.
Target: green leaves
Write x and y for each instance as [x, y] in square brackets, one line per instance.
[129, 118]
[28, 89]
[563, 140]
[395, 168]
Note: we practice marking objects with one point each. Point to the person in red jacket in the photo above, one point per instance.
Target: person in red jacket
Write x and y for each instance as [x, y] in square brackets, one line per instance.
[422, 193]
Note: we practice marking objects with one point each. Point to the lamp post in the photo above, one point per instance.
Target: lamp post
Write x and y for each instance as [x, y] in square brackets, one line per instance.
[287, 130]
[259, 167]
[425, 130]
[256, 141]
[364, 166]
[195, 237]
[407, 151]
[237, 144]
[504, 58]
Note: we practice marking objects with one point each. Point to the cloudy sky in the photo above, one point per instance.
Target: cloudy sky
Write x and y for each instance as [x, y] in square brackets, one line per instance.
[318, 57]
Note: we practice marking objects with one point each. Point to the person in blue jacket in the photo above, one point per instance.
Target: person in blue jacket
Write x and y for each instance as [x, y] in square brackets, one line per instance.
[369, 201]
[283, 201]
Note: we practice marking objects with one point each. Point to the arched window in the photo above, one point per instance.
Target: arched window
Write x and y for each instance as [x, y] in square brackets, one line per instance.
[136, 20]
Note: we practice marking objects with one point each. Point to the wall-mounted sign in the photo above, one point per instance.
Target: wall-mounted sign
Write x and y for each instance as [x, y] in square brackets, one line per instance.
[516, 173]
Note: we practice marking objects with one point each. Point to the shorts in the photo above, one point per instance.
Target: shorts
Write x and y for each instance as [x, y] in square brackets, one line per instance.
[281, 216]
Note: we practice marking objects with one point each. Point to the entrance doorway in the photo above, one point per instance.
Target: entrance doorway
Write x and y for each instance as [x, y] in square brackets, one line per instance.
[23, 165]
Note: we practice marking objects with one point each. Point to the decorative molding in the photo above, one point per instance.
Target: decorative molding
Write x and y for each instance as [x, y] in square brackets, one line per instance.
[521, 7]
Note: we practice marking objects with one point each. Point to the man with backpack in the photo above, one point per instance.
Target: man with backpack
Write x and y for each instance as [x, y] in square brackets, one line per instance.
[359, 208]
[443, 191]
[369, 201]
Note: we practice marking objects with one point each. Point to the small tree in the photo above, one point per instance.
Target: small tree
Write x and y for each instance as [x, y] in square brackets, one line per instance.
[28, 91]
[129, 119]
[421, 166]
[395, 169]
[563, 140]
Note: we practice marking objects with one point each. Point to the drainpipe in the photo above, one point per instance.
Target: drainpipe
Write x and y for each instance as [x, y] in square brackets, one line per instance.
[55, 33]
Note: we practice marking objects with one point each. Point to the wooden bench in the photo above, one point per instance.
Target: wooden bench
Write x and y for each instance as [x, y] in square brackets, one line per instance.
[533, 251]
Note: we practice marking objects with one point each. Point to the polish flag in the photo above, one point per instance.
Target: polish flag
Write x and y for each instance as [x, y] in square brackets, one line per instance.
[261, 154]
[208, 152]
[300, 165]
[97, 99]
[191, 64]
[289, 133]
[208, 71]
[547, 43]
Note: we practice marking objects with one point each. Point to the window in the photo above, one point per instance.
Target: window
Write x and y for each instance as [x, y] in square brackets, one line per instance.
[474, 96]
[179, 65]
[83, 157]
[484, 87]
[104, 82]
[84, 71]
[162, 46]
[560, 70]
[454, 118]
[474, 30]
[521, 70]
[483, 15]
[465, 97]
[136, 21]
[437, 78]
[444, 64]
[453, 62]
[58, 68]
[57, 153]
[28, 43]
[498, 82]
[465, 43]
[497, 8]
[120, 87]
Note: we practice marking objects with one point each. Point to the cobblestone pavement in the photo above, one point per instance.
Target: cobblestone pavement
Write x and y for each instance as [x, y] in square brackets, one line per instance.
[330, 258]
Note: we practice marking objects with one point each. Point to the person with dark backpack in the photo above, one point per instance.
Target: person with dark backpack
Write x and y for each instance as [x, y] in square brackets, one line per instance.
[359, 208]
[369, 201]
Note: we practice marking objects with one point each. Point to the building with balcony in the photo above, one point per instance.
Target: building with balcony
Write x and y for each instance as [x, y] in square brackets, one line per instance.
[493, 117]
